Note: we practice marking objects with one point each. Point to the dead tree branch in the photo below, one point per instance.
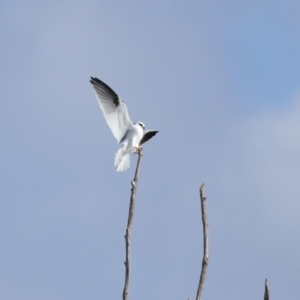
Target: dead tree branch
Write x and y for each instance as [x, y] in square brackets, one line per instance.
[205, 243]
[267, 293]
[129, 226]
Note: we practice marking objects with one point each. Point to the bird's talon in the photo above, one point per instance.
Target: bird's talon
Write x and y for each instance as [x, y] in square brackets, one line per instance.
[137, 150]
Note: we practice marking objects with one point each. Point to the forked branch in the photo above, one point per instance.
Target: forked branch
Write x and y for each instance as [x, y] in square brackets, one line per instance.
[205, 243]
[129, 226]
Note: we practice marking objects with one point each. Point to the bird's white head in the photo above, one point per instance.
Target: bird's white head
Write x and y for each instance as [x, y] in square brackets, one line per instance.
[141, 124]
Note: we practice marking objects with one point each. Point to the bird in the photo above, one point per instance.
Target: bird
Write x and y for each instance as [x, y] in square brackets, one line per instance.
[131, 135]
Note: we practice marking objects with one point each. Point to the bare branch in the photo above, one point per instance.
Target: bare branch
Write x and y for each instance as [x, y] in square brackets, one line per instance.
[129, 226]
[205, 243]
[267, 294]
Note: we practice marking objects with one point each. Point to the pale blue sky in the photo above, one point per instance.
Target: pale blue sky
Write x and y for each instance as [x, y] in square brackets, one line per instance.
[220, 81]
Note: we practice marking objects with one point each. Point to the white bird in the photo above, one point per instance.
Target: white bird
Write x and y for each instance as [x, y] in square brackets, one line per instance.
[115, 113]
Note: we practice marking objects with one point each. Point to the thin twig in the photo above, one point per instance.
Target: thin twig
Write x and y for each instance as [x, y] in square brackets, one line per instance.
[129, 226]
[205, 243]
[267, 293]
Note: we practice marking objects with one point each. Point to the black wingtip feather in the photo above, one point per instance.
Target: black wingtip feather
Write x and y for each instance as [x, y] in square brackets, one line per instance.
[97, 81]
[93, 80]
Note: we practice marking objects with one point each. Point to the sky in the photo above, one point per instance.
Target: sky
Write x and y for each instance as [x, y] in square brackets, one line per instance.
[219, 80]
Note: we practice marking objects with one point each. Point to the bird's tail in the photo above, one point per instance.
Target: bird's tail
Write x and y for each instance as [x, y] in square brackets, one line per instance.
[122, 159]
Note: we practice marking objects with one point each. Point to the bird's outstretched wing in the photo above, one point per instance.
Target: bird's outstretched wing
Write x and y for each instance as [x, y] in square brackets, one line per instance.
[113, 108]
[148, 134]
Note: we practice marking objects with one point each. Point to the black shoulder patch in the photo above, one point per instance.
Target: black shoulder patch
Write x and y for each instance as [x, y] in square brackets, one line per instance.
[147, 136]
[116, 101]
